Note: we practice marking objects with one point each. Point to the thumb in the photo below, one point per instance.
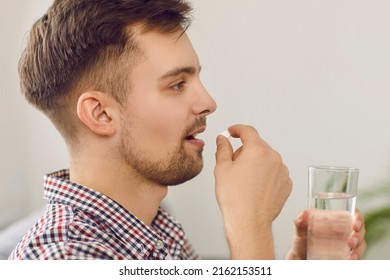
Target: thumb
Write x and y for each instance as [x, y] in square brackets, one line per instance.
[301, 223]
[224, 150]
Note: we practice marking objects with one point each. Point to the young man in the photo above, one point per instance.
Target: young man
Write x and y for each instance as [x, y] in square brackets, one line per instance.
[120, 81]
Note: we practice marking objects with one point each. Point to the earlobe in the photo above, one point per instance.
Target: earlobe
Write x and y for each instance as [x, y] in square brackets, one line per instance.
[93, 109]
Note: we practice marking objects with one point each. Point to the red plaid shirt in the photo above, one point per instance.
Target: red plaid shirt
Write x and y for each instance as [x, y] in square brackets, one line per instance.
[81, 223]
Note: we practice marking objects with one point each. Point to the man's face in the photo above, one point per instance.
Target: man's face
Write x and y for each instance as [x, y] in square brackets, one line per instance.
[167, 108]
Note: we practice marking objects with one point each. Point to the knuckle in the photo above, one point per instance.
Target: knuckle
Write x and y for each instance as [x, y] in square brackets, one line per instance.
[259, 150]
[290, 185]
[277, 159]
[249, 127]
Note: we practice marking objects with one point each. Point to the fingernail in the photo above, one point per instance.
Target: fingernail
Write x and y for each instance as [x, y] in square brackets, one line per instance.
[219, 140]
[226, 134]
[358, 225]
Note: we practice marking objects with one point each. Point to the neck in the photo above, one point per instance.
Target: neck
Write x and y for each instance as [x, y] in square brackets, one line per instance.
[139, 196]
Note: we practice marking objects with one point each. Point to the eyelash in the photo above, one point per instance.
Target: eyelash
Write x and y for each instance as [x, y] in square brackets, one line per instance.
[180, 85]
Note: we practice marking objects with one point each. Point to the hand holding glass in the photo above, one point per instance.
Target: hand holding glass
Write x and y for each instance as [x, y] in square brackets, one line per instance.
[332, 200]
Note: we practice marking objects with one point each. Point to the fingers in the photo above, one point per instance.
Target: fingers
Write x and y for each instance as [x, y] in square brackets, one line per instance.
[358, 221]
[237, 153]
[244, 132]
[224, 150]
[247, 134]
[358, 245]
[298, 251]
[356, 241]
[301, 223]
[251, 184]
[358, 253]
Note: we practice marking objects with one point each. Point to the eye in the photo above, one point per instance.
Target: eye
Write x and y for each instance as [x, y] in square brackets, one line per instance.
[178, 86]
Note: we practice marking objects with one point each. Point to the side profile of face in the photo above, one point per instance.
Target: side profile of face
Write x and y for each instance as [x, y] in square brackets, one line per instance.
[166, 109]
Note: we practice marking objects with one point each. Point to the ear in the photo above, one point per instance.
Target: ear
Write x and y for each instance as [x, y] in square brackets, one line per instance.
[95, 109]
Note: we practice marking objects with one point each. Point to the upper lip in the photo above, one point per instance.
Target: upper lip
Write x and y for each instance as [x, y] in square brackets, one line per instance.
[195, 132]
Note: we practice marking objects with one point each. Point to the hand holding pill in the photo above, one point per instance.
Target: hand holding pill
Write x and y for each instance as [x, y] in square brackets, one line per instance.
[252, 185]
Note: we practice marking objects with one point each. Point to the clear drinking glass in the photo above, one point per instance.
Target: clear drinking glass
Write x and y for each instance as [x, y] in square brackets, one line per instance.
[332, 201]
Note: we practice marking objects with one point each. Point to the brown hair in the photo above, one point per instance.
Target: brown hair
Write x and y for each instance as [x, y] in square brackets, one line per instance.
[82, 43]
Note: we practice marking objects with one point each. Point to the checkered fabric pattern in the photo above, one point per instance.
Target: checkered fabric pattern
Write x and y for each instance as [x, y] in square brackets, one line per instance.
[81, 223]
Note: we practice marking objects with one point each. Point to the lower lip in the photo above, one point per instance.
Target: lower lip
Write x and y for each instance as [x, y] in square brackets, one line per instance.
[196, 142]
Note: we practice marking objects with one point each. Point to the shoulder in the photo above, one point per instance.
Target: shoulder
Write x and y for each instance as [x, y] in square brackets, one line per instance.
[64, 233]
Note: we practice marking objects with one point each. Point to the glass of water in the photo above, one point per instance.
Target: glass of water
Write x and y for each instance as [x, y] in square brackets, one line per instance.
[332, 200]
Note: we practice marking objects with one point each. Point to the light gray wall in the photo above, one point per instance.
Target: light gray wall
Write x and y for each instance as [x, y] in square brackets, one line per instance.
[29, 145]
[312, 76]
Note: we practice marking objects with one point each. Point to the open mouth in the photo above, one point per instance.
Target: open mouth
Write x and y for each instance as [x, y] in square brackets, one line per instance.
[192, 137]
[193, 134]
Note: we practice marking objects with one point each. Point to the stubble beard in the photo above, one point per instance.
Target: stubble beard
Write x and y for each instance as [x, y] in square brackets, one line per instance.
[176, 168]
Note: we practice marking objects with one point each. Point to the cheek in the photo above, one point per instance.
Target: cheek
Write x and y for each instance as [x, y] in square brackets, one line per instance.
[162, 131]
[161, 127]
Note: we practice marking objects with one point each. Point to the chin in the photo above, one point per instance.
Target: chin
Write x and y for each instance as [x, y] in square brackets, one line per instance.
[185, 175]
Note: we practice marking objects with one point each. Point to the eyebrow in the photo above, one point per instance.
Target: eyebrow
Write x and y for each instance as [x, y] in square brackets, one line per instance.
[190, 70]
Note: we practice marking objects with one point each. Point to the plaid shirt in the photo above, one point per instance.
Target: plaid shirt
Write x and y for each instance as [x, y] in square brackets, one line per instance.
[81, 223]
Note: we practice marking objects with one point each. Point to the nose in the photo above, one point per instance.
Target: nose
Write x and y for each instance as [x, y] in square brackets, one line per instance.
[205, 104]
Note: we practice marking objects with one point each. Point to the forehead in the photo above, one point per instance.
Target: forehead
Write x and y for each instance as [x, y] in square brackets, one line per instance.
[166, 50]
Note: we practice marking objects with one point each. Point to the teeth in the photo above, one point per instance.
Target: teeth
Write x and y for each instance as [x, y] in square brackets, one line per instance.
[192, 136]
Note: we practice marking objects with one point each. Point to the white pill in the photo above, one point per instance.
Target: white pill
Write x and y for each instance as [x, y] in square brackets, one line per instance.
[225, 133]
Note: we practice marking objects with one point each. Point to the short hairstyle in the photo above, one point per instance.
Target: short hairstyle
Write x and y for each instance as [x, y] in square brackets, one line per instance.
[82, 43]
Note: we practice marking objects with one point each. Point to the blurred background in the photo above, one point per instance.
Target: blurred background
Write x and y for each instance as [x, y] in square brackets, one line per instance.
[312, 76]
